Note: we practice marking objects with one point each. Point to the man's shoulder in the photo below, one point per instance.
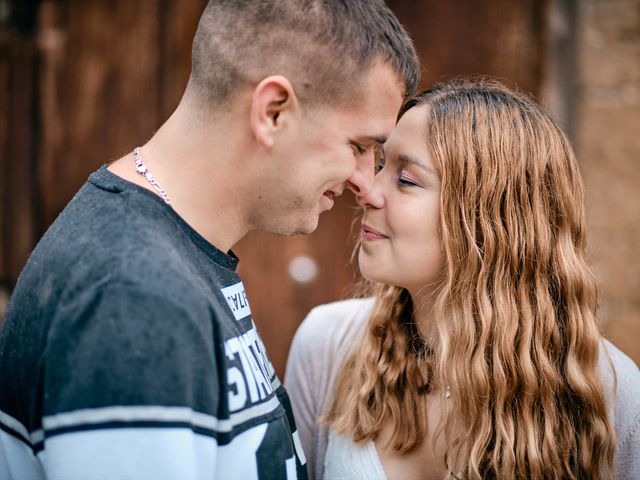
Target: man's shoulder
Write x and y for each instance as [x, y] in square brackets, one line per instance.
[101, 235]
[101, 262]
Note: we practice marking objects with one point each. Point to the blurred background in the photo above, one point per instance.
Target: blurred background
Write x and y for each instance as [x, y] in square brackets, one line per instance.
[83, 82]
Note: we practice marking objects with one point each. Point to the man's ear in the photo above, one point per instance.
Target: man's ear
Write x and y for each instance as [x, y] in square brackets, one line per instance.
[272, 104]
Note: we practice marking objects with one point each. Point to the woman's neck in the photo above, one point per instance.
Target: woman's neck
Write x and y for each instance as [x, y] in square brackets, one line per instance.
[423, 303]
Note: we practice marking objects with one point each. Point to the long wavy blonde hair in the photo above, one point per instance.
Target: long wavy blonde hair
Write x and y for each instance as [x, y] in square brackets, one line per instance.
[515, 332]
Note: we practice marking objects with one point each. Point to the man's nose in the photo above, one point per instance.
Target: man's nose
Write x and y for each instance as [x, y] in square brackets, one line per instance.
[373, 197]
[361, 179]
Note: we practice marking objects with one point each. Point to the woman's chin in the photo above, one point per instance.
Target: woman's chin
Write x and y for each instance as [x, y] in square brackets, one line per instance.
[371, 273]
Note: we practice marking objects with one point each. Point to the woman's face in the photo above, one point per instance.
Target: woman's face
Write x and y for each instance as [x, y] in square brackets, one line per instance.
[400, 241]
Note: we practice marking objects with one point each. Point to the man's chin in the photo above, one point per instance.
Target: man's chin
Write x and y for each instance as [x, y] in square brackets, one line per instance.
[303, 228]
[306, 230]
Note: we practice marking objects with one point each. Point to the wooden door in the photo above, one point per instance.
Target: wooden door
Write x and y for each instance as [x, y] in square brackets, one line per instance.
[499, 38]
[88, 80]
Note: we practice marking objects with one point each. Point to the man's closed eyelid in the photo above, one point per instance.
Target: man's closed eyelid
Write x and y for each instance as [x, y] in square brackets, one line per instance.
[360, 150]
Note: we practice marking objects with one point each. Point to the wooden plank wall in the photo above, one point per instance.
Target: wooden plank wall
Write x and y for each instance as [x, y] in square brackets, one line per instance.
[503, 39]
[109, 72]
[81, 83]
[18, 98]
[500, 38]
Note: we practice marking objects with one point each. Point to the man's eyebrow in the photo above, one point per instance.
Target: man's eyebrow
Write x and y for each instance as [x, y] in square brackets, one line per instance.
[402, 158]
[380, 139]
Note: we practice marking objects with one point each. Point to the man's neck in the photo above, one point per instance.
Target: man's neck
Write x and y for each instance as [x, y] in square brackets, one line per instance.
[199, 173]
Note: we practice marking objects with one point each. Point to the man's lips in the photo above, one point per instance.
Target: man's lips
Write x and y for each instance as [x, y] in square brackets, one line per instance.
[328, 199]
[330, 196]
[369, 233]
[333, 193]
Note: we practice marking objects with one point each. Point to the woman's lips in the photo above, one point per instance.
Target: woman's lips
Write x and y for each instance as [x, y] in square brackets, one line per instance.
[369, 234]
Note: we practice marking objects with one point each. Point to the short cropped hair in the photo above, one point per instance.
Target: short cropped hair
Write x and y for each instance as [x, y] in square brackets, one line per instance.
[322, 46]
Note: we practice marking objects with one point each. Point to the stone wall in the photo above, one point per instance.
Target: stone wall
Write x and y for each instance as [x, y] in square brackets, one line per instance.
[607, 135]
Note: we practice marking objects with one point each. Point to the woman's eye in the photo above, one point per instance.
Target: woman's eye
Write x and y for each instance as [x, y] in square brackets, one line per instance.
[407, 182]
[379, 159]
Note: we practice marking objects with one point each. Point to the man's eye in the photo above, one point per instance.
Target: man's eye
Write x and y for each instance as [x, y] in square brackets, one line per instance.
[359, 149]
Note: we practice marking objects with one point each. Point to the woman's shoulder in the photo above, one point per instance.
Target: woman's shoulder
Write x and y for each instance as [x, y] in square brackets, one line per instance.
[327, 335]
[335, 324]
[627, 374]
[626, 381]
[323, 341]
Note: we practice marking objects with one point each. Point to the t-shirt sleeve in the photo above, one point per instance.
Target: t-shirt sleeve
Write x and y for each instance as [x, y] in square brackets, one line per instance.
[129, 387]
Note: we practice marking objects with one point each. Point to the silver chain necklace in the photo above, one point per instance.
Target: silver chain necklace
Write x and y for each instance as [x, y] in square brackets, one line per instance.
[142, 169]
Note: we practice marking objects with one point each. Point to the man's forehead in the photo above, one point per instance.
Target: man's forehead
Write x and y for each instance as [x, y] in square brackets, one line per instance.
[381, 86]
[376, 92]
[371, 112]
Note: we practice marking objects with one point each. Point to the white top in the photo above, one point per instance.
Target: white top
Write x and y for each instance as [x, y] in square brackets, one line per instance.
[346, 460]
[321, 345]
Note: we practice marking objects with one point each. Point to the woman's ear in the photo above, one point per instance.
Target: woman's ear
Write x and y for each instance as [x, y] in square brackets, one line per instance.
[273, 107]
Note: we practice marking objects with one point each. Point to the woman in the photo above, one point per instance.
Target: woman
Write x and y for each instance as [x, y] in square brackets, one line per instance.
[479, 355]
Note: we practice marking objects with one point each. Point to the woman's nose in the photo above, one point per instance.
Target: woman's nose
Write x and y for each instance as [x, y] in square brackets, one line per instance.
[373, 197]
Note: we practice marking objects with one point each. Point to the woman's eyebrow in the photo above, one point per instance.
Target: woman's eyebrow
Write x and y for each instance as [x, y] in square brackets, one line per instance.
[405, 159]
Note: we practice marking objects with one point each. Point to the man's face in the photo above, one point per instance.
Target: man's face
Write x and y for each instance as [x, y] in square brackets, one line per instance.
[329, 150]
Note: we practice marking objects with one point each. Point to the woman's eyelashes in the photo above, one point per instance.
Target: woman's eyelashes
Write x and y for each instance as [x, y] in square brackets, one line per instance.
[379, 159]
[406, 180]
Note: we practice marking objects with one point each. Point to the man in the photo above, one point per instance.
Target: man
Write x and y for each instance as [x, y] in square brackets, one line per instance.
[128, 348]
